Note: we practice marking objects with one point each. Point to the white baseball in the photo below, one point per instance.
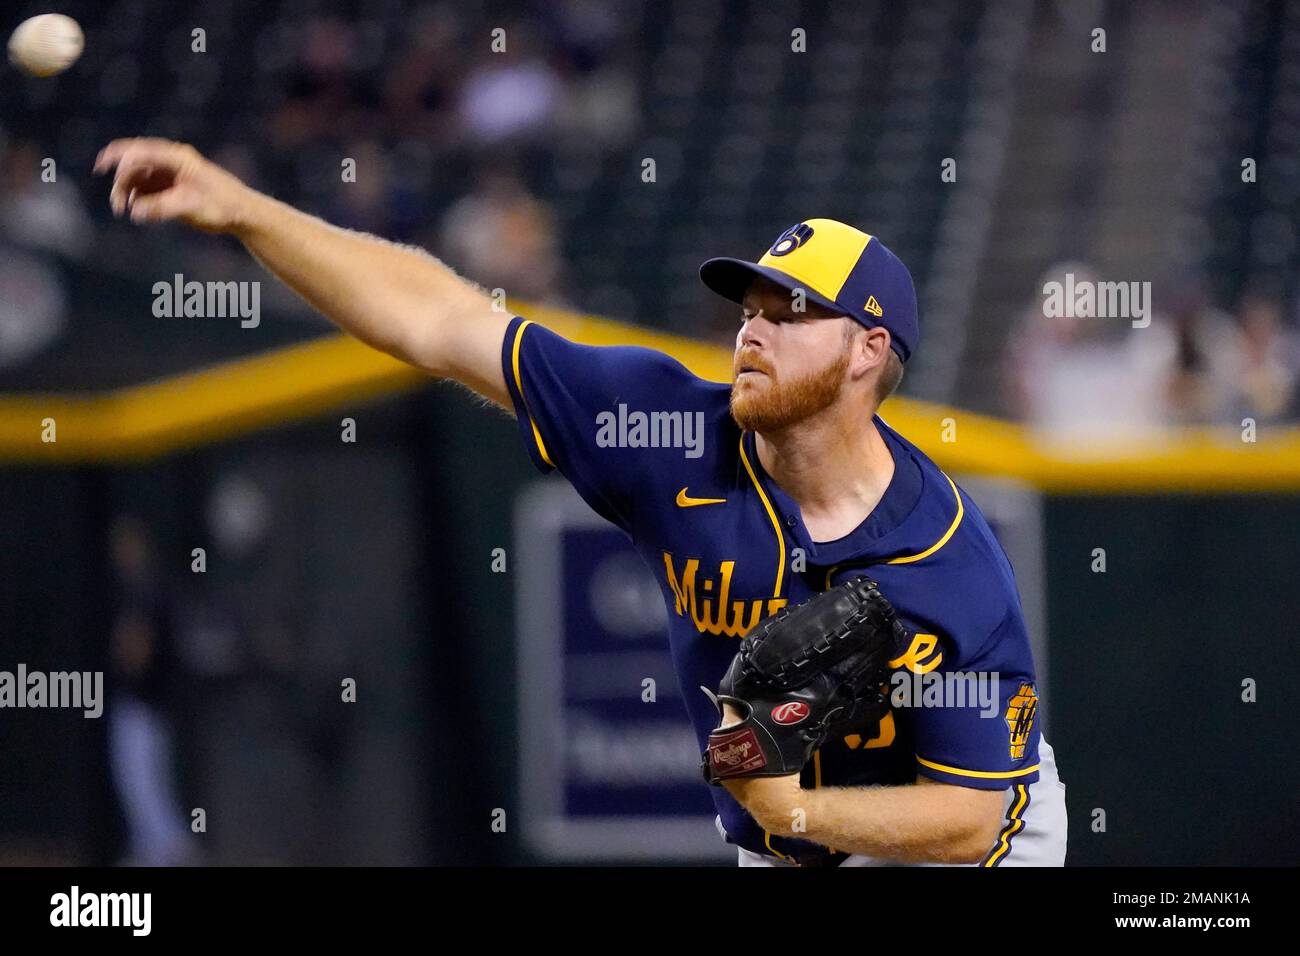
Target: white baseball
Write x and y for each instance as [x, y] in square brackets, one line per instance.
[46, 45]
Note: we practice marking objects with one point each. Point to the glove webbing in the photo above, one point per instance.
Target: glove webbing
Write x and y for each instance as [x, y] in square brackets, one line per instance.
[833, 647]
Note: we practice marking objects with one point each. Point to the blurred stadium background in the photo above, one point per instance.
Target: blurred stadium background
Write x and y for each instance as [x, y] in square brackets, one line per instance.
[373, 559]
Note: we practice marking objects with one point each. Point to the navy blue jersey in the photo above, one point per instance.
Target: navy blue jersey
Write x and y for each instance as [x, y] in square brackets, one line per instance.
[654, 449]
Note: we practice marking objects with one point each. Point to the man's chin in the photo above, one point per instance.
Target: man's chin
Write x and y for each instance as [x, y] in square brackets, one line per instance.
[753, 415]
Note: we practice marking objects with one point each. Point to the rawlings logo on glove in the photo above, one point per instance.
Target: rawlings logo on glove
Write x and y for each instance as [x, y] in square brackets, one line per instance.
[798, 674]
[737, 753]
[791, 712]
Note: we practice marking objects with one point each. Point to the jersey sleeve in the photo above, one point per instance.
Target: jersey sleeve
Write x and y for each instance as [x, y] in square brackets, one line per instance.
[567, 400]
[985, 736]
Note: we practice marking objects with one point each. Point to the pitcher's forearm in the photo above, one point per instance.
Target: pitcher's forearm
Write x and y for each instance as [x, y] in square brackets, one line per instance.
[913, 823]
[924, 822]
[395, 298]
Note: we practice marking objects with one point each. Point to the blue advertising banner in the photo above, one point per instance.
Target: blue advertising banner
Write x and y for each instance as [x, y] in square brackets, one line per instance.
[608, 761]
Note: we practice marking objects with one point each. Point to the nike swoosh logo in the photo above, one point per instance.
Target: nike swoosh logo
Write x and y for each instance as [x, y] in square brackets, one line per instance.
[685, 501]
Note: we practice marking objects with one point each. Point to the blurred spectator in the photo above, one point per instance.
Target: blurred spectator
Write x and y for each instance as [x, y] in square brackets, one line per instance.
[510, 95]
[1202, 375]
[421, 84]
[502, 236]
[48, 216]
[600, 108]
[1270, 358]
[365, 203]
[32, 305]
[257, 682]
[324, 90]
[1086, 385]
[220, 628]
[141, 681]
[600, 102]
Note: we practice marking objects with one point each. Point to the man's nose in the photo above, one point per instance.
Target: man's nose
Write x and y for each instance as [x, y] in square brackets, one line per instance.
[754, 330]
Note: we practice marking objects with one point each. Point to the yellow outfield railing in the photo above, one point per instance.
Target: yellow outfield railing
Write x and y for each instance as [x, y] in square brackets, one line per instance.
[301, 381]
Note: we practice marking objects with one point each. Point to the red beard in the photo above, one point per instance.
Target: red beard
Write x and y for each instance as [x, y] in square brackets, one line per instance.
[770, 406]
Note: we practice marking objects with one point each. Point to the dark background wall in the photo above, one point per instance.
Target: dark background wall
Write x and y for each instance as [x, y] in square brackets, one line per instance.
[1148, 661]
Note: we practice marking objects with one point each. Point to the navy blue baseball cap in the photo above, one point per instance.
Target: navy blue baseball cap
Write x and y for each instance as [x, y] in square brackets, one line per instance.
[838, 267]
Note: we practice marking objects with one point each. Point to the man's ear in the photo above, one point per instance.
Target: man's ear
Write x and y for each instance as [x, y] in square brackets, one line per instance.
[870, 349]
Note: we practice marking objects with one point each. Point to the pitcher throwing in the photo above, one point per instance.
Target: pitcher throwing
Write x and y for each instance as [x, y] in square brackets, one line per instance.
[799, 487]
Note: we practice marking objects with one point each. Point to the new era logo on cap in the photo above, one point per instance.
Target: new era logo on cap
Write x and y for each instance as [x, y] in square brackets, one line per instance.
[838, 267]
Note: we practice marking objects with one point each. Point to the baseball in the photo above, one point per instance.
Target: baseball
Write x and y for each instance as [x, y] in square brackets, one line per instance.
[46, 45]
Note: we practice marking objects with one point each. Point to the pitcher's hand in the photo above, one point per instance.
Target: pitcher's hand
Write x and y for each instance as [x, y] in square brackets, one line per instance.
[158, 180]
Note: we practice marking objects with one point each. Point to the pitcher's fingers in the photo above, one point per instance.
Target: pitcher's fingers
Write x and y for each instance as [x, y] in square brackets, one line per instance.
[155, 148]
[124, 183]
[134, 166]
[155, 207]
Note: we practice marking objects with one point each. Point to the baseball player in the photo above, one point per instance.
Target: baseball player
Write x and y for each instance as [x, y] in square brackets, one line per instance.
[796, 486]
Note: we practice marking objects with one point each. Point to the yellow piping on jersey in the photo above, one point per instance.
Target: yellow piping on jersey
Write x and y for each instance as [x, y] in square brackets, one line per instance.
[912, 558]
[519, 384]
[983, 774]
[961, 510]
[1015, 823]
[767, 839]
[776, 525]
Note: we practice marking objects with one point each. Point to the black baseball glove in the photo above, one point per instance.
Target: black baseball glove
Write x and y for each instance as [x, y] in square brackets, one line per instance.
[798, 674]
